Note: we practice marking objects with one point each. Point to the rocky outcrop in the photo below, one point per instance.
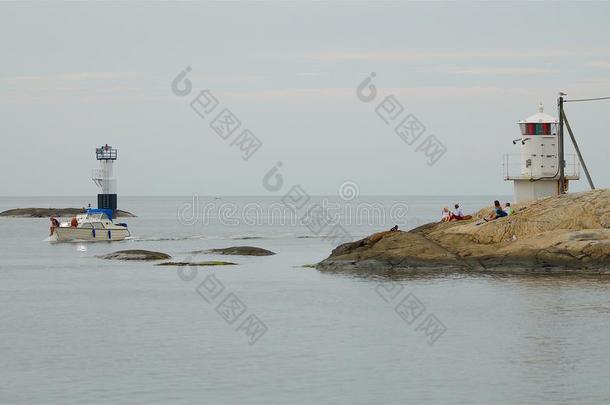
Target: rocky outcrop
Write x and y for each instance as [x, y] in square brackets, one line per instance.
[136, 254]
[240, 251]
[565, 233]
[53, 212]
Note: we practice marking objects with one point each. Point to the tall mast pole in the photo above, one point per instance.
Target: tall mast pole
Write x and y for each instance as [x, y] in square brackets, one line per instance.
[561, 150]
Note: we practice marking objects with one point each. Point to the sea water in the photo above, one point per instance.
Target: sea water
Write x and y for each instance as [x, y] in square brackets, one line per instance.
[80, 329]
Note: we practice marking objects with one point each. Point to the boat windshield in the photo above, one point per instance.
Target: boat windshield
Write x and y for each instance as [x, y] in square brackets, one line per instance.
[107, 213]
[96, 217]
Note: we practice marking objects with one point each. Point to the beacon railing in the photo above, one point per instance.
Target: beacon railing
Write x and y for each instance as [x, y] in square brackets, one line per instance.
[97, 175]
[104, 153]
[511, 167]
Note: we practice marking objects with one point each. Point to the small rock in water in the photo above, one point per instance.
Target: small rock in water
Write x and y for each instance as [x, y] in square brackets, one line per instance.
[241, 251]
[136, 254]
[210, 263]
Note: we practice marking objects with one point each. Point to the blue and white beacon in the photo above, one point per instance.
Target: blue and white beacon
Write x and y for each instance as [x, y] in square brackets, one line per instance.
[104, 177]
[95, 224]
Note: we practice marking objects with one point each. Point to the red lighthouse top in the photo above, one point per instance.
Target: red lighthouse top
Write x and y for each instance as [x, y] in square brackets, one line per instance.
[539, 124]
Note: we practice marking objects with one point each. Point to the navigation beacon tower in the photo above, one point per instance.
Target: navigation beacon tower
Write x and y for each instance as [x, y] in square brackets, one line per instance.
[104, 178]
[538, 174]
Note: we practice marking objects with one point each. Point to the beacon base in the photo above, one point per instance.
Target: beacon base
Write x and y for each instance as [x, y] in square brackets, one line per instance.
[107, 201]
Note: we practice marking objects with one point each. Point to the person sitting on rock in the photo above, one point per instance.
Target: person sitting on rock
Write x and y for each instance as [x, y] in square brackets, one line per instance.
[446, 215]
[54, 224]
[508, 209]
[458, 214]
[498, 212]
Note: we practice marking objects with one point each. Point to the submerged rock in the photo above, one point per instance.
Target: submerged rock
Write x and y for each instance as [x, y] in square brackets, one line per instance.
[209, 263]
[240, 251]
[136, 254]
[569, 233]
[53, 212]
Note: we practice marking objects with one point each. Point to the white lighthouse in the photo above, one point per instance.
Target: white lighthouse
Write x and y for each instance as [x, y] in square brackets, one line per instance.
[536, 171]
[104, 177]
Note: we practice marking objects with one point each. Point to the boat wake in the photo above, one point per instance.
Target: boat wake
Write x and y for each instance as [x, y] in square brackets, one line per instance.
[163, 238]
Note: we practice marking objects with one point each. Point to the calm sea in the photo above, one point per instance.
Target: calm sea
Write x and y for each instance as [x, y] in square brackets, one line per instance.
[77, 329]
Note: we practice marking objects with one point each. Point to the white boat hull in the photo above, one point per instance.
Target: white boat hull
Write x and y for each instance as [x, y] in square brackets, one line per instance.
[66, 234]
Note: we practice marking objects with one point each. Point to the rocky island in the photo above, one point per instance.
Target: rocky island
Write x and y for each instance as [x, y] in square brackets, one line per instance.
[53, 212]
[566, 233]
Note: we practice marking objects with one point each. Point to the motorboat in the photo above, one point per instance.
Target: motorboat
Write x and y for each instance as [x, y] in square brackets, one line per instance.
[95, 225]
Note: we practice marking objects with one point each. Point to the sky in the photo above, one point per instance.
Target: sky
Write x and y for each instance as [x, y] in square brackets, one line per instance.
[75, 76]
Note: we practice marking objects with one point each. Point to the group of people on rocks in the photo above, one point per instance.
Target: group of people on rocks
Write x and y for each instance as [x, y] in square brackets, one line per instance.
[457, 214]
[499, 212]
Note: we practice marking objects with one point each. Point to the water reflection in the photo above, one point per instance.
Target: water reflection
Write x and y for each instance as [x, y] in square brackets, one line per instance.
[539, 277]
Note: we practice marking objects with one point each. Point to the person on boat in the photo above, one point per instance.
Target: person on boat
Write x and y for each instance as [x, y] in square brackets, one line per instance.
[54, 224]
[73, 222]
[458, 214]
[497, 213]
[508, 209]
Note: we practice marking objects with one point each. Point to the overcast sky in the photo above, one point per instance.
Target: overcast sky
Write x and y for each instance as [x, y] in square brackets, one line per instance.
[76, 75]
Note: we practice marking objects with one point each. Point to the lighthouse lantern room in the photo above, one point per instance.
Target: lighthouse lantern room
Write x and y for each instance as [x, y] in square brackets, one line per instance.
[104, 177]
[537, 173]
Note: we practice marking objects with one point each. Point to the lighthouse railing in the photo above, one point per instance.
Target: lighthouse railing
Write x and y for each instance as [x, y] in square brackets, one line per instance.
[512, 167]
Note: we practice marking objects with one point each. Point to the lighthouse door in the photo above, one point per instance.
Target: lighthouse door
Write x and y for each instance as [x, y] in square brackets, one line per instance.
[548, 150]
